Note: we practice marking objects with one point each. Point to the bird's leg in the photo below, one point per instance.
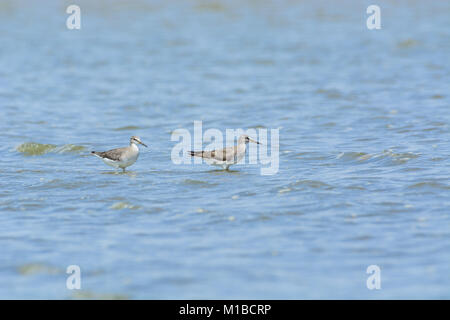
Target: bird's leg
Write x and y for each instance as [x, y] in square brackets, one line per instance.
[123, 170]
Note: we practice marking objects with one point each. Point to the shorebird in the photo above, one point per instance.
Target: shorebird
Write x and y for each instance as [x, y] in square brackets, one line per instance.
[121, 157]
[225, 157]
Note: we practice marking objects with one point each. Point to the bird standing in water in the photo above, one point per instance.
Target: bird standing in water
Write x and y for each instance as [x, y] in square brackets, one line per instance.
[121, 157]
[225, 157]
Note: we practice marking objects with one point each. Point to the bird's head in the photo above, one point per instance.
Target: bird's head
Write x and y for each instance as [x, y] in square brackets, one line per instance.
[246, 139]
[137, 140]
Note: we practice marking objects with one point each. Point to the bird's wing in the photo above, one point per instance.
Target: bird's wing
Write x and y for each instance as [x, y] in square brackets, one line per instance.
[202, 154]
[225, 154]
[113, 154]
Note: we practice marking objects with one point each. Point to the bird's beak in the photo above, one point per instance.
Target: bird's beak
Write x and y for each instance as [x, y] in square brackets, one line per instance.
[143, 144]
[251, 140]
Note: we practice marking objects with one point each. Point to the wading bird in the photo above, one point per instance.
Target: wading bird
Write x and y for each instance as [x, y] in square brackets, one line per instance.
[225, 157]
[121, 157]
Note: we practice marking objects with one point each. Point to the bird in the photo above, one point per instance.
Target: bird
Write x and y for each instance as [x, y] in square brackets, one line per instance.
[121, 157]
[227, 156]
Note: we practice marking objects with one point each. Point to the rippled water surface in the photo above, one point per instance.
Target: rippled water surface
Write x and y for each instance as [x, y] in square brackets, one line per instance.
[364, 149]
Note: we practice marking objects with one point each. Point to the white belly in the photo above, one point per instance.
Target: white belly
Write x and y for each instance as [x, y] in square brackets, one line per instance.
[226, 164]
[121, 164]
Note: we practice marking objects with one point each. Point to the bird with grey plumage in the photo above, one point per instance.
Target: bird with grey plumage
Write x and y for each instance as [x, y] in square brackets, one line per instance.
[121, 157]
[225, 157]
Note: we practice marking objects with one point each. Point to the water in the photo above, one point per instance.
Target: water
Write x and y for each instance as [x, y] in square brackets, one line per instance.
[364, 144]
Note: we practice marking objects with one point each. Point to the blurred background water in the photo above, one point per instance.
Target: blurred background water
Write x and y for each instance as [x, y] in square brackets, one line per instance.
[364, 144]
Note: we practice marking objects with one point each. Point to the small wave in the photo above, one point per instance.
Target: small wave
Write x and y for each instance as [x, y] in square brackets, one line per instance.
[312, 156]
[210, 6]
[99, 296]
[199, 183]
[127, 128]
[284, 190]
[37, 149]
[401, 157]
[57, 184]
[313, 184]
[396, 158]
[69, 148]
[37, 268]
[124, 205]
[191, 181]
[429, 184]
[355, 187]
[353, 156]
[409, 43]
[304, 184]
[405, 156]
[330, 93]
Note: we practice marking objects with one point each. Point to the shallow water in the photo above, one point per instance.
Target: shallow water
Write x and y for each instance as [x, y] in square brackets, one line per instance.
[364, 144]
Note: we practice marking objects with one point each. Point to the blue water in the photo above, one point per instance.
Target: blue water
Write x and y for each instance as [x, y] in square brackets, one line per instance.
[364, 149]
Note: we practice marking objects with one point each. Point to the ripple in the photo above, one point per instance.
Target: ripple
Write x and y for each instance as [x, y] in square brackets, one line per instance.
[396, 158]
[313, 184]
[37, 149]
[352, 155]
[304, 184]
[284, 190]
[413, 169]
[355, 187]
[330, 93]
[99, 296]
[429, 184]
[124, 205]
[58, 184]
[33, 149]
[312, 156]
[210, 6]
[409, 43]
[127, 128]
[199, 183]
[400, 157]
[37, 268]
[243, 194]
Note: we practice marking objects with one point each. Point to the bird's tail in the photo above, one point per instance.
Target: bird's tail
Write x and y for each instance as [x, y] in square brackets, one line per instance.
[97, 154]
[196, 153]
